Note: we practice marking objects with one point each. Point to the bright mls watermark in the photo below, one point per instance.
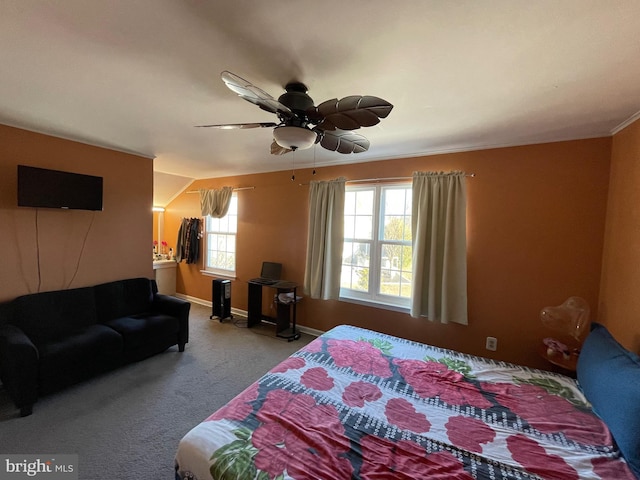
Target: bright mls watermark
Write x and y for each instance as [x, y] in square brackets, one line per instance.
[36, 466]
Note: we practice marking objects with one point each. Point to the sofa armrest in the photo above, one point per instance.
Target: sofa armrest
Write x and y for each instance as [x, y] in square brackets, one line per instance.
[19, 366]
[175, 307]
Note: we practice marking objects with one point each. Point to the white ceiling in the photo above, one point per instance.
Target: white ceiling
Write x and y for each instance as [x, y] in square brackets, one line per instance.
[462, 74]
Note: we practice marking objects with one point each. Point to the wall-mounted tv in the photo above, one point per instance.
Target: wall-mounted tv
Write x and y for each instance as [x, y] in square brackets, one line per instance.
[40, 187]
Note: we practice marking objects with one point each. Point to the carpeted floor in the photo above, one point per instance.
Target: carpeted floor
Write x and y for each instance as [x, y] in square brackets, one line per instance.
[126, 424]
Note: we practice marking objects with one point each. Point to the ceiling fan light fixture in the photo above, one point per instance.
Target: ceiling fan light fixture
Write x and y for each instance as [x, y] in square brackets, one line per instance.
[294, 138]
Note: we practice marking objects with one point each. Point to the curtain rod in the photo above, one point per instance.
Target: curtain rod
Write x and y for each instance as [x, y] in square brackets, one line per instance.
[236, 189]
[386, 179]
[389, 179]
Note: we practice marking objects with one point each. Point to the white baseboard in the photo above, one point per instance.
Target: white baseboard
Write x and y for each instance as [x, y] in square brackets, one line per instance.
[191, 299]
[242, 313]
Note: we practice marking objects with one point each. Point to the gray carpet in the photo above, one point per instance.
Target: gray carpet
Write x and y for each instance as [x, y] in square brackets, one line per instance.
[126, 424]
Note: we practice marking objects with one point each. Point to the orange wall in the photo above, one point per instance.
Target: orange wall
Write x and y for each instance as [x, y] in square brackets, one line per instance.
[536, 217]
[619, 295]
[118, 242]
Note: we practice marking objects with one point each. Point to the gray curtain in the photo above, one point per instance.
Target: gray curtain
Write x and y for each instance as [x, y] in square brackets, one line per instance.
[439, 233]
[215, 202]
[325, 239]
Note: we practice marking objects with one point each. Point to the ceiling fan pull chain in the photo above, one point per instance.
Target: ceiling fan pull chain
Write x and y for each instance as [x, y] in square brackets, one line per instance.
[314, 159]
[293, 164]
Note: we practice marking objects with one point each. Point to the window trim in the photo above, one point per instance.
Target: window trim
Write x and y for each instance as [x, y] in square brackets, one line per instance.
[216, 271]
[371, 298]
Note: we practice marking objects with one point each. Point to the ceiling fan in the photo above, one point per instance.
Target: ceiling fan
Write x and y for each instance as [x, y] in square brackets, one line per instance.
[302, 124]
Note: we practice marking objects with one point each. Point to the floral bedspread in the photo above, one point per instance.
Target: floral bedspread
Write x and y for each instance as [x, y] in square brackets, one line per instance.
[359, 404]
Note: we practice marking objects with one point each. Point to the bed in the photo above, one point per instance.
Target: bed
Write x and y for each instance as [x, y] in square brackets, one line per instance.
[355, 403]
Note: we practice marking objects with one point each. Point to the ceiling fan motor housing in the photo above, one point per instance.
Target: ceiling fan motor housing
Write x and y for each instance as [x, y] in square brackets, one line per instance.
[295, 134]
[297, 100]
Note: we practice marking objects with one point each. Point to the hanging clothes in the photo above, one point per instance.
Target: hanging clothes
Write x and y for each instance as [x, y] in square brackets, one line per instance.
[181, 240]
[188, 243]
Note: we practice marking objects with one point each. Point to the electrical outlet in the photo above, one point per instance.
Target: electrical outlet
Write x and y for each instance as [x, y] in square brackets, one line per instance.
[492, 344]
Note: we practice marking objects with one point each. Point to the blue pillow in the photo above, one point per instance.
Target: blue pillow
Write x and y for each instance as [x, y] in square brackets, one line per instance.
[609, 376]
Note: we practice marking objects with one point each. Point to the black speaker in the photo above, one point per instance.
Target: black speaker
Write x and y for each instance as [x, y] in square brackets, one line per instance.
[221, 299]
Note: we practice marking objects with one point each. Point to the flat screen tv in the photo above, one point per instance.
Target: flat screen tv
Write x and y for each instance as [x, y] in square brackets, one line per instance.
[40, 187]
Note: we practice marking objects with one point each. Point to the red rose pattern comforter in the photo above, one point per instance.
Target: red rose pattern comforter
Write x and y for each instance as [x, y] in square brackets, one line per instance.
[359, 404]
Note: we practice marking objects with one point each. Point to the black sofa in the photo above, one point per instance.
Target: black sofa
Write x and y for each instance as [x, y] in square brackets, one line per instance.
[51, 340]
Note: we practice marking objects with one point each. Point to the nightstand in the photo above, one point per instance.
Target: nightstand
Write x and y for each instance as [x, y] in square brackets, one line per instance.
[565, 365]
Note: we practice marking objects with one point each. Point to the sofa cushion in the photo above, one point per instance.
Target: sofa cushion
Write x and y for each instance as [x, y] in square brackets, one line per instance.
[139, 330]
[609, 376]
[83, 352]
[123, 298]
[52, 315]
[6, 312]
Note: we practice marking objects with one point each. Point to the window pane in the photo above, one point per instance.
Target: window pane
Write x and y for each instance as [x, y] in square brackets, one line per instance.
[345, 276]
[355, 263]
[354, 278]
[347, 252]
[405, 285]
[391, 256]
[364, 202]
[390, 269]
[407, 229]
[363, 227]
[230, 261]
[395, 271]
[396, 223]
[360, 279]
[224, 224]
[359, 214]
[395, 227]
[395, 201]
[407, 259]
[350, 203]
[361, 254]
[389, 282]
[356, 253]
[349, 226]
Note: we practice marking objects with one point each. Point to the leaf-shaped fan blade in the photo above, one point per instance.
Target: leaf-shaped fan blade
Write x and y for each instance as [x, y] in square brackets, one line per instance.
[235, 126]
[253, 94]
[277, 149]
[344, 142]
[350, 113]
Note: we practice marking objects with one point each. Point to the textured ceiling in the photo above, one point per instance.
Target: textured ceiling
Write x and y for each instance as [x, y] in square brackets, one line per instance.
[138, 75]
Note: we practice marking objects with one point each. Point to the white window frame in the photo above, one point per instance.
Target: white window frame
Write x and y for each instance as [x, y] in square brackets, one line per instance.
[372, 297]
[212, 227]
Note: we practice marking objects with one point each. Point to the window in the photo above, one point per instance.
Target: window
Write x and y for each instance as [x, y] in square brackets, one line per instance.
[376, 257]
[220, 241]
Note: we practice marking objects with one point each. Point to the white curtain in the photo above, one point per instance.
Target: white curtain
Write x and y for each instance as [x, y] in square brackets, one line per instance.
[325, 239]
[439, 233]
[215, 202]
